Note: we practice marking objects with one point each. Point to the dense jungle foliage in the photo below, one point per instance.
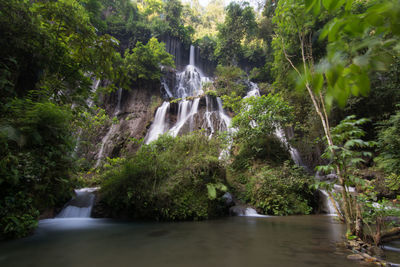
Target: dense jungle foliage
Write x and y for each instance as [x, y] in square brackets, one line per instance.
[170, 179]
[321, 66]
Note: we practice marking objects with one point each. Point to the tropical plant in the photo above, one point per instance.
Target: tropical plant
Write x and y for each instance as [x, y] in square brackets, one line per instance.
[144, 61]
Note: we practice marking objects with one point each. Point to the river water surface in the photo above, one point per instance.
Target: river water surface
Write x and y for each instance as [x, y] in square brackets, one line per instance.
[233, 241]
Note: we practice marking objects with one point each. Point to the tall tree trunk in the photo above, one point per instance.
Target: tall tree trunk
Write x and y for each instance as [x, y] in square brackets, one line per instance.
[319, 106]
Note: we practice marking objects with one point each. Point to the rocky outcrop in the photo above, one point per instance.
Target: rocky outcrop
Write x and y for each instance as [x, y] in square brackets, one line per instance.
[132, 115]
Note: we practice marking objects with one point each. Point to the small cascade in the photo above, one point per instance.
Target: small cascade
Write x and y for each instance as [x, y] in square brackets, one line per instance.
[165, 86]
[188, 82]
[215, 118]
[250, 212]
[254, 90]
[225, 120]
[104, 141]
[184, 116]
[327, 205]
[80, 206]
[93, 89]
[294, 153]
[159, 125]
[208, 114]
[118, 109]
[89, 102]
[326, 202]
[244, 210]
[191, 56]
[111, 131]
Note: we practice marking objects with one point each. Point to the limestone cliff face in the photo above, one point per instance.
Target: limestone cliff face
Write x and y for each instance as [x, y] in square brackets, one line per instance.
[133, 112]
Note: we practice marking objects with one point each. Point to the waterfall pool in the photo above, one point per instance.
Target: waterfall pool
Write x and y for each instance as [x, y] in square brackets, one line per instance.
[231, 241]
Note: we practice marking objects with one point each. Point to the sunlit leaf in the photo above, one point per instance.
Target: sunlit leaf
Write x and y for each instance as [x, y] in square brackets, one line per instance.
[364, 84]
[310, 4]
[317, 82]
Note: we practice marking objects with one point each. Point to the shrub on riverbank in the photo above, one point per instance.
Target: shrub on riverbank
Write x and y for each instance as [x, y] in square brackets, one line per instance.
[275, 190]
[35, 163]
[170, 179]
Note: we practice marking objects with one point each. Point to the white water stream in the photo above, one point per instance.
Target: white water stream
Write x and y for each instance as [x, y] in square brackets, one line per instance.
[89, 102]
[81, 205]
[188, 84]
[159, 125]
[111, 131]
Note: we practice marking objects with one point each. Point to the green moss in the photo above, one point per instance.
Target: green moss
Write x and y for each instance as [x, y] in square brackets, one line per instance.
[176, 100]
[211, 93]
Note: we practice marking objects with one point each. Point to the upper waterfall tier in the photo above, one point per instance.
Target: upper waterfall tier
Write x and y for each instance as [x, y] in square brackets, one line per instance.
[191, 56]
[190, 115]
[189, 81]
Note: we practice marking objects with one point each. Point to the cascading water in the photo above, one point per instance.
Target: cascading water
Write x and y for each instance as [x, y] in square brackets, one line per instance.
[95, 85]
[208, 115]
[327, 205]
[164, 85]
[89, 101]
[111, 131]
[187, 109]
[191, 56]
[80, 206]
[159, 125]
[294, 153]
[254, 90]
[188, 84]
[225, 120]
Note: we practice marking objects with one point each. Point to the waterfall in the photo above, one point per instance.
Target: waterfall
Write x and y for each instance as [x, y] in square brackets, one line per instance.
[111, 131]
[191, 56]
[250, 212]
[294, 153]
[254, 90]
[89, 102]
[159, 125]
[80, 206]
[208, 114]
[118, 109]
[327, 205]
[188, 84]
[225, 120]
[93, 89]
[166, 88]
[183, 119]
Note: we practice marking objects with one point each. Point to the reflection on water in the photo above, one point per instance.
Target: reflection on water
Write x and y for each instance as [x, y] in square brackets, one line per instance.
[392, 252]
[234, 241]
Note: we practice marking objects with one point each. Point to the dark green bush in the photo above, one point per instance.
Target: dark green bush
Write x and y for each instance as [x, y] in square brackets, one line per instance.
[265, 148]
[229, 80]
[18, 216]
[274, 189]
[389, 144]
[35, 163]
[281, 190]
[168, 180]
